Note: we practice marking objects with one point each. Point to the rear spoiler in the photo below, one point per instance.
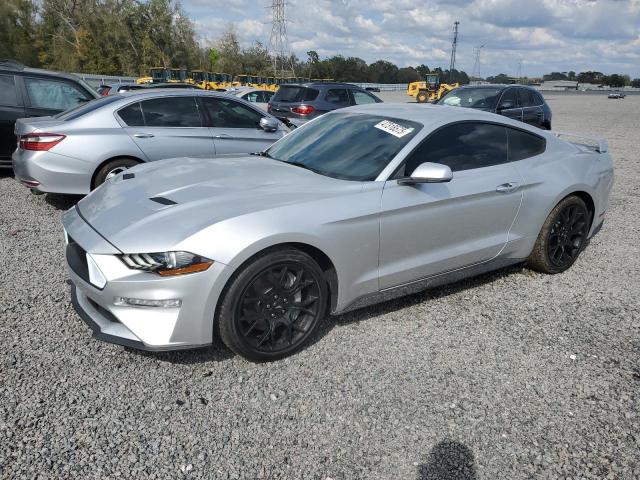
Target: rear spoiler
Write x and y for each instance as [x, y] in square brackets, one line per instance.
[594, 142]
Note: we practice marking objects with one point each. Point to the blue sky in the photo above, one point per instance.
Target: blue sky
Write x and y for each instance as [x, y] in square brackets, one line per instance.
[546, 35]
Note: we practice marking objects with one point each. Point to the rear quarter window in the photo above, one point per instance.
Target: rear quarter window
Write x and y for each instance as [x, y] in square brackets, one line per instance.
[131, 115]
[523, 145]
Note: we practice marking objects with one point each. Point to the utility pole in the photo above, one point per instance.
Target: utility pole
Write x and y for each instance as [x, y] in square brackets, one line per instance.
[476, 64]
[519, 74]
[454, 45]
[279, 42]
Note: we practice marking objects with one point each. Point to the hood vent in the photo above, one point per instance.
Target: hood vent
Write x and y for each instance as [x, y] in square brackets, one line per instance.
[163, 201]
[127, 176]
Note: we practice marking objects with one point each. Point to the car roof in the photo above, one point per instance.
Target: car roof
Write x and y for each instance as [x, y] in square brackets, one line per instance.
[433, 116]
[321, 84]
[496, 85]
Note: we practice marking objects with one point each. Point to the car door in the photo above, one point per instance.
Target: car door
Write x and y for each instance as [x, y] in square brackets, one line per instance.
[432, 228]
[235, 127]
[531, 110]
[509, 104]
[47, 96]
[11, 108]
[168, 127]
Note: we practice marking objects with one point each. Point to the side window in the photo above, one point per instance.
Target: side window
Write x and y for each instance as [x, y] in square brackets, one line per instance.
[266, 96]
[361, 98]
[252, 97]
[538, 98]
[526, 97]
[8, 93]
[462, 146]
[510, 95]
[229, 114]
[337, 96]
[54, 94]
[171, 112]
[524, 145]
[132, 115]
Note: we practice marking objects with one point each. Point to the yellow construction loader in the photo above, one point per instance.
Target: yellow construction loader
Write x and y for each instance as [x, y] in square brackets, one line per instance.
[430, 90]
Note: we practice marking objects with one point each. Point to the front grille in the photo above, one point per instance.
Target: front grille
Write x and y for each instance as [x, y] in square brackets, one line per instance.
[77, 259]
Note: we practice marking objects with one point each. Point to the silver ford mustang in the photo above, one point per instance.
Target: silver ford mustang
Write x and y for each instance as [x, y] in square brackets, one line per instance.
[356, 207]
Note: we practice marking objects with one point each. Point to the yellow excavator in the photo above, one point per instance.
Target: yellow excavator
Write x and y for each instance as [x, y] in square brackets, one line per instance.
[430, 90]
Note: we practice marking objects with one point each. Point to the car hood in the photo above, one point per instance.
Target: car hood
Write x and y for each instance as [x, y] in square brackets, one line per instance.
[156, 205]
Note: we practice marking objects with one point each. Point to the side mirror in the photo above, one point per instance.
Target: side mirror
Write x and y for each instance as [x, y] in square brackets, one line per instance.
[506, 105]
[428, 173]
[268, 124]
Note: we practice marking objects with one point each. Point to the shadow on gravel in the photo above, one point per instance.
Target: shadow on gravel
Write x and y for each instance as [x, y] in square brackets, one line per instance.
[217, 352]
[448, 460]
[61, 202]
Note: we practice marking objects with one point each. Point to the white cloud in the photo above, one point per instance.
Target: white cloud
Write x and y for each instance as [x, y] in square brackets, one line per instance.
[544, 34]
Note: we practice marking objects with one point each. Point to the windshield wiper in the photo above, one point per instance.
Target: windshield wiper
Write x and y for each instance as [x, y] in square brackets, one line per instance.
[306, 167]
[262, 154]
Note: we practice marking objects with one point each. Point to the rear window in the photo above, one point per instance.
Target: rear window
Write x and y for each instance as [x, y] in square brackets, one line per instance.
[85, 108]
[291, 94]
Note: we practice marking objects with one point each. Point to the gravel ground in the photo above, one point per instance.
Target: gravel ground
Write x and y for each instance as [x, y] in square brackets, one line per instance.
[511, 375]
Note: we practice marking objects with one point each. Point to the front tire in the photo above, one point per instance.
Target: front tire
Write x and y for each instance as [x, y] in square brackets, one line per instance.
[112, 168]
[562, 237]
[422, 97]
[273, 305]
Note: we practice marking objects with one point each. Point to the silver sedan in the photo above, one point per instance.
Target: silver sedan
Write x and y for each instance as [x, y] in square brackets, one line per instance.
[78, 150]
[357, 206]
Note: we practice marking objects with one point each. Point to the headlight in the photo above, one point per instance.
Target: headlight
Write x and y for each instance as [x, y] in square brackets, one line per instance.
[166, 263]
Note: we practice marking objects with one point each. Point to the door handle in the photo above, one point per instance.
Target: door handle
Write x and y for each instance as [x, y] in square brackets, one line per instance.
[508, 187]
[223, 135]
[143, 135]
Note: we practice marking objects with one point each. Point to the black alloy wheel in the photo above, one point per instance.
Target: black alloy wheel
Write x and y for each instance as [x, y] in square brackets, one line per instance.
[562, 237]
[567, 236]
[273, 306]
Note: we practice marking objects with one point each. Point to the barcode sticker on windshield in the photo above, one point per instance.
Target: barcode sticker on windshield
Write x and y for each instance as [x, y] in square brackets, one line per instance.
[393, 128]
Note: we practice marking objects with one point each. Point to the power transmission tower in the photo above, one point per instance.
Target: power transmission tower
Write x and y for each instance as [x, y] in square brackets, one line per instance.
[278, 42]
[454, 45]
[476, 64]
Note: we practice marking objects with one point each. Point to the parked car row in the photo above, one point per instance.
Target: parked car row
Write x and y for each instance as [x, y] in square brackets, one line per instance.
[77, 151]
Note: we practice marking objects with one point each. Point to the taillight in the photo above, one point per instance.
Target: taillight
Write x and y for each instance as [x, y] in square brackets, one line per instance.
[40, 141]
[105, 92]
[303, 109]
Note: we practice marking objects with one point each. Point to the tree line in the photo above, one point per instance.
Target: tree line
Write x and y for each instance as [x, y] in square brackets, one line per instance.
[128, 37]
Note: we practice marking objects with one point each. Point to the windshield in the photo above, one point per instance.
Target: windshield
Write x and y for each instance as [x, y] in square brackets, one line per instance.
[483, 98]
[348, 146]
[85, 108]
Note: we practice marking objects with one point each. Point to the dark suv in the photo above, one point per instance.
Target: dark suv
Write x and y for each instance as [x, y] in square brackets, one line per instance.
[299, 102]
[514, 101]
[31, 92]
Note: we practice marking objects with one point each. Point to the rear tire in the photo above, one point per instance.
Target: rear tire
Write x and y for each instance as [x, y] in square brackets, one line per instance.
[111, 169]
[562, 237]
[273, 305]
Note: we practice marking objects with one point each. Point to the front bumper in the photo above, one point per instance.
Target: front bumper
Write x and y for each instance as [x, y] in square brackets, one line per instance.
[50, 172]
[98, 277]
